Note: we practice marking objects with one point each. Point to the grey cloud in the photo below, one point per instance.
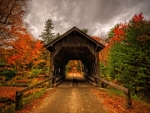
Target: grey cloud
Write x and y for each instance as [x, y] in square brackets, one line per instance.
[97, 16]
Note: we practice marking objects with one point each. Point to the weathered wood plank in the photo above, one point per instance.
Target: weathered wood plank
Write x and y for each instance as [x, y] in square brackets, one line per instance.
[92, 82]
[126, 90]
[90, 78]
[19, 94]
[128, 101]
[19, 101]
[36, 85]
[58, 81]
[115, 85]
[58, 78]
[31, 87]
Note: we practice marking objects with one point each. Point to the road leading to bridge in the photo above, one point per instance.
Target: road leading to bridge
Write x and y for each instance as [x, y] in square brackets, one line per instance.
[74, 81]
[74, 95]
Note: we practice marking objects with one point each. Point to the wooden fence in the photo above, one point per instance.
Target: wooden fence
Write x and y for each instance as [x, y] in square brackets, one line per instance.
[128, 101]
[58, 79]
[19, 94]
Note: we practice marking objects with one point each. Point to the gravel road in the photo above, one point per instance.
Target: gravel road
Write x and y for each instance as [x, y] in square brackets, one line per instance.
[74, 95]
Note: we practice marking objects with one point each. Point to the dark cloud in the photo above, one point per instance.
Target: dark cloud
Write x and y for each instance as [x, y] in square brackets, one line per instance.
[98, 16]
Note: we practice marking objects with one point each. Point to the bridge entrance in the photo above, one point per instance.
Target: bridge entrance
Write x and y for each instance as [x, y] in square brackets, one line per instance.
[74, 45]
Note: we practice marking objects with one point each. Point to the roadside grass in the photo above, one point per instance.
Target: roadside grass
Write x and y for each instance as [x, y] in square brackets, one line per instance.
[135, 97]
[34, 96]
[115, 91]
[142, 101]
[26, 100]
[9, 109]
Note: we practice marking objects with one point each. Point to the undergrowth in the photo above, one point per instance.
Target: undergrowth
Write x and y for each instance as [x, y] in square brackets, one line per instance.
[34, 96]
[26, 100]
[121, 93]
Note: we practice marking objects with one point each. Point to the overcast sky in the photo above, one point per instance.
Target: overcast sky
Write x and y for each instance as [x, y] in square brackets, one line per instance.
[98, 16]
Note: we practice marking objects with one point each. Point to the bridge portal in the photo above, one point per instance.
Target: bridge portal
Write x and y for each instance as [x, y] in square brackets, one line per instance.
[74, 45]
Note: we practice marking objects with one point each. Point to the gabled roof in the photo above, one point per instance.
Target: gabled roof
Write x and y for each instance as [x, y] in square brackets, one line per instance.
[50, 45]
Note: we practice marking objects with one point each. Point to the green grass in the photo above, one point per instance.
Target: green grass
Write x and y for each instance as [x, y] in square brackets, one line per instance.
[137, 98]
[20, 84]
[115, 91]
[8, 109]
[133, 97]
[34, 96]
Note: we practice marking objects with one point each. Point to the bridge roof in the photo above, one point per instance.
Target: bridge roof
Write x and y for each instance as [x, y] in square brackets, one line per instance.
[50, 45]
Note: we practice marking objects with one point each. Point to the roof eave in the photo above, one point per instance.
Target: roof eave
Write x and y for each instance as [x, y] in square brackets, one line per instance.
[50, 47]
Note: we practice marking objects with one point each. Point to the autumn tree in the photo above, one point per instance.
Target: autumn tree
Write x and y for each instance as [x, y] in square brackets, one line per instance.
[12, 13]
[25, 50]
[11, 17]
[129, 61]
[103, 55]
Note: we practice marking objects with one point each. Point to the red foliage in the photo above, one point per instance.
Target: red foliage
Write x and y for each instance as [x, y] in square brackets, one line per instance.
[138, 18]
[119, 33]
[25, 49]
[97, 38]
[103, 56]
[9, 92]
[116, 103]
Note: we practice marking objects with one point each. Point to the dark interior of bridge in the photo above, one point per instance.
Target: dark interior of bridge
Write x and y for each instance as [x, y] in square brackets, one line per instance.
[74, 45]
[66, 54]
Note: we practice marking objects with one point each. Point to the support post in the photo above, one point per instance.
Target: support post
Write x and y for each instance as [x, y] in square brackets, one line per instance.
[98, 69]
[95, 80]
[19, 101]
[54, 82]
[128, 101]
[51, 68]
[64, 70]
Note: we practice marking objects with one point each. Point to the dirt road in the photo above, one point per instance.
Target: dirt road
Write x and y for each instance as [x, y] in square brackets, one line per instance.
[74, 95]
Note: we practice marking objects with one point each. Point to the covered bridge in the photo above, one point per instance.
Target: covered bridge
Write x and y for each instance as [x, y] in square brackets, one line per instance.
[74, 45]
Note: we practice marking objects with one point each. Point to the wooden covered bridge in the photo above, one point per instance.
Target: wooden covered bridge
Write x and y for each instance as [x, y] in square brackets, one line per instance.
[74, 45]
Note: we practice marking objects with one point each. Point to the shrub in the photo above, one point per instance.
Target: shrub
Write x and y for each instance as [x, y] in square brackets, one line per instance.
[19, 78]
[129, 56]
[9, 74]
[20, 84]
[34, 73]
[2, 64]
[23, 81]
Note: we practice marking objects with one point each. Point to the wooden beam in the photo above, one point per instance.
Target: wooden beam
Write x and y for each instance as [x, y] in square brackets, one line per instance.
[51, 68]
[121, 88]
[31, 87]
[19, 94]
[98, 69]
